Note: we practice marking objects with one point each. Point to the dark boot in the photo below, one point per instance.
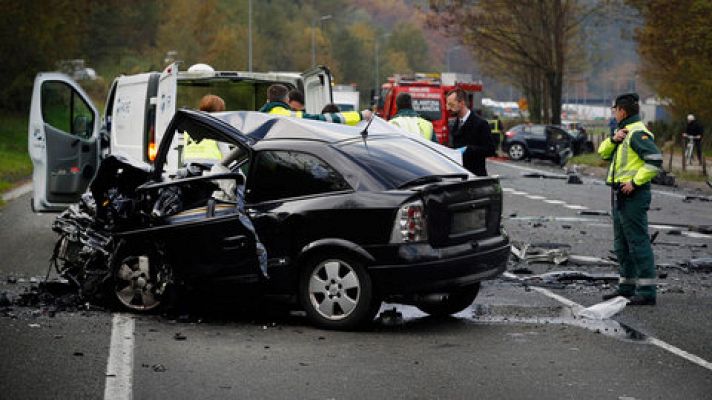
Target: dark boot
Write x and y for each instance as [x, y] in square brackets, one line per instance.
[639, 300]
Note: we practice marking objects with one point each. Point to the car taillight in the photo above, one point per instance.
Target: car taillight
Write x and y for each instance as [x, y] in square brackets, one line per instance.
[410, 224]
[510, 134]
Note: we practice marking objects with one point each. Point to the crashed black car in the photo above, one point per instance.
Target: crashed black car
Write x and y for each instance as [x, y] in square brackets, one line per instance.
[339, 218]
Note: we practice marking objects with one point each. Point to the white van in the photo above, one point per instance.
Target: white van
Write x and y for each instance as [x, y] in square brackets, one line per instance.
[67, 137]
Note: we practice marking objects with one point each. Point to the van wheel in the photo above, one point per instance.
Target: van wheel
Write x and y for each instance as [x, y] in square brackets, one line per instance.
[141, 279]
[517, 151]
[455, 302]
[337, 293]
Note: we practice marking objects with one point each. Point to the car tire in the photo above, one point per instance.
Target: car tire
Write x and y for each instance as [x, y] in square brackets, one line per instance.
[337, 293]
[455, 302]
[142, 279]
[517, 151]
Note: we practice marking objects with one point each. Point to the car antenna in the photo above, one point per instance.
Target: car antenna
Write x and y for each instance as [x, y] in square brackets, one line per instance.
[364, 132]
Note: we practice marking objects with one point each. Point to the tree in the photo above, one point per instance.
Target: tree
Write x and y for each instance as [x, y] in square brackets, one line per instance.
[528, 43]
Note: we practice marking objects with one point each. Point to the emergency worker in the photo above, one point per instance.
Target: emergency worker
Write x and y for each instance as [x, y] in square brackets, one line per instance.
[635, 161]
[206, 150]
[296, 100]
[409, 120]
[277, 104]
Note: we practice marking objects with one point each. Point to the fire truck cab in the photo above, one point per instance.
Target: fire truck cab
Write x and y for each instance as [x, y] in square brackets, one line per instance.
[428, 93]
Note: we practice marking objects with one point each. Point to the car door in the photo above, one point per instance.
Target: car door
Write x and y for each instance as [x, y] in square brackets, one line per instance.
[536, 140]
[63, 141]
[317, 89]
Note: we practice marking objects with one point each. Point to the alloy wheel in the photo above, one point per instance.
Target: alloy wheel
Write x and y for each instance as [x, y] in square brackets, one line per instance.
[334, 289]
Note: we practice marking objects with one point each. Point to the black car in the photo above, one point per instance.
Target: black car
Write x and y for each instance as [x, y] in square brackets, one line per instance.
[338, 217]
[527, 141]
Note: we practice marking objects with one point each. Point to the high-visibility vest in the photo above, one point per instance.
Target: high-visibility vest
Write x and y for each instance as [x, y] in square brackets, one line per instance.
[628, 163]
[206, 149]
[416, 125]
[346, 117]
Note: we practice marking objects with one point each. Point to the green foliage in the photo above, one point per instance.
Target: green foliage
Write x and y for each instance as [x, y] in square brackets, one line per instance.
[14, 161]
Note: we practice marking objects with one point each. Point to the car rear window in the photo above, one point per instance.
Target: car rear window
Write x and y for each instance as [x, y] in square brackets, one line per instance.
[397, 160]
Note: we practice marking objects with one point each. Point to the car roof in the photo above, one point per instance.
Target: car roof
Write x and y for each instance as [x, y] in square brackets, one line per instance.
[263, 126]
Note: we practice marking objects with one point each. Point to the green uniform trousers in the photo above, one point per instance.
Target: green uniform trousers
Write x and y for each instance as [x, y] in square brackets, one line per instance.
[632, 244]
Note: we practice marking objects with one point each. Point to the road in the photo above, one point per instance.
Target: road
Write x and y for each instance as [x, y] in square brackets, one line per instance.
[515, 341]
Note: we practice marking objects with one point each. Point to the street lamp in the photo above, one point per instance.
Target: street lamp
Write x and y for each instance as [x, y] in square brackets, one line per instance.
[314, 21]
[375, 45]
[450, 51]
[249, 35]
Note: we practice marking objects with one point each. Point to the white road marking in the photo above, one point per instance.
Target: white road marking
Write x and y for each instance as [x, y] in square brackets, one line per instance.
[17, 192]
[506, 189]
[554, 201]
[519, 193]
[519, 167]
[575, 207]
[119, 367]
[652, 340]
[533, 197]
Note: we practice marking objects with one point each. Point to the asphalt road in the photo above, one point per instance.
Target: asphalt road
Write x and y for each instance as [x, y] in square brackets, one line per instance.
[514, 342]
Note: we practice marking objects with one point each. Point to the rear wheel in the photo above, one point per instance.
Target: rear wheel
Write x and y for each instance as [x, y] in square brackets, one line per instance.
[453, 304]
[517, 151]
[141, 279]
[337, 293]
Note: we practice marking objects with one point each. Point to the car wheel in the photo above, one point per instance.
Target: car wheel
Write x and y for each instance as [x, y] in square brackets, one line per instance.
[454, 303]
[517, 151]
[141, 279]
[337, 293]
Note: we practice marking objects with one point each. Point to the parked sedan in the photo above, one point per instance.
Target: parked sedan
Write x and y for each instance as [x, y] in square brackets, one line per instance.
[527, 141]
[341, 218]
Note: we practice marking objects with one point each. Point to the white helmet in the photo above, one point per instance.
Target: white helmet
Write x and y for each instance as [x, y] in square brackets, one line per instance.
[690, 117]
[200, 68]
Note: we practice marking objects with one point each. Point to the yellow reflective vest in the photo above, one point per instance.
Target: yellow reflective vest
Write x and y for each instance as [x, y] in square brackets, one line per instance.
[637, 159]
[206, 149]
[414, 124]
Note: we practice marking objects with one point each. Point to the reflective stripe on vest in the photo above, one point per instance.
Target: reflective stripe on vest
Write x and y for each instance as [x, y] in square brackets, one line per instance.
[627, 162]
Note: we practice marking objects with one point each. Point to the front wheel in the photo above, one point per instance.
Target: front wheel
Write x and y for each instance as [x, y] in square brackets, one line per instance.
[337, 293]
[141, 279]
[453, 304]
[516, 151]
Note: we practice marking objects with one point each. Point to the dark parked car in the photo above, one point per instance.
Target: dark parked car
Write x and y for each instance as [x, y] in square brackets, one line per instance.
[337, 218]
[527, 141]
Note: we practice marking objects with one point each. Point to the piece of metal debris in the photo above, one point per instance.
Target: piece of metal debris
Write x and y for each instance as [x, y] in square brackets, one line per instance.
[699, 264]
[594, 212]
[574, 180]
[691, 197]
[179, 336]
[544, 176]
[571, 276]
[159, 368]
[391, 317]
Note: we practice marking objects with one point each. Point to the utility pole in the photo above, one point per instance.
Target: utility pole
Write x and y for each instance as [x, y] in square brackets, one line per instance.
[249, 35]
[377, 38]
[314, 21]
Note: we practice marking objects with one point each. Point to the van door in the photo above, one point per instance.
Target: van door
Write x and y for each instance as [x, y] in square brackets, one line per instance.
[63, 141]
[317, 89]
[166, 99]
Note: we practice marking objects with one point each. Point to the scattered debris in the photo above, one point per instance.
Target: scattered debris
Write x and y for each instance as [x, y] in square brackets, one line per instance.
[11, 279]
[391, 317]
[589, 260]
[662, 275]
[674, 232]
[654, 236]
[513, 215]
[522, 271]
[570, 276]
[603, 310]
[78, 354]
[595, 212]
[692, 245]
[574, 180]
[4, 300]
[179, 336]
[544, 176]
[690, 197]
[34, 325]
[700, 264]
[664, 178]
[556, 253]
[566, 226]
[159, 368]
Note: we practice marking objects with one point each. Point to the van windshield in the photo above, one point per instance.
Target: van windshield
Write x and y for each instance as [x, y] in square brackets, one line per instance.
[397, 160]
[428, 108]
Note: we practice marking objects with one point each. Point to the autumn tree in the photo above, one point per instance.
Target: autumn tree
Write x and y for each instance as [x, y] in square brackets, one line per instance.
[529, 43]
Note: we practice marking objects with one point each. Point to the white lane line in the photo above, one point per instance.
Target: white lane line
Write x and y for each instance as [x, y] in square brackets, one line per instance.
[554, 201]
[519, 167]
[506, 189]
[119, 367]
[575, 207]
[652, 340]
[17, 192]
[534, 197]
[519, 193]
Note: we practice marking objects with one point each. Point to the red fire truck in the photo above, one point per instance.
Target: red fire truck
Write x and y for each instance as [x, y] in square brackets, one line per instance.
[428, 93]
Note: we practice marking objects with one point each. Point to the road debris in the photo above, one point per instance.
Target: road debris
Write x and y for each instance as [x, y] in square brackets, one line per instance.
[391, 317]
[664, 178]
[179, 336]
[699, 264]
[690, 197]
[159, 368]
[544, 176]
[574, 180]
[11, 279]
[564, 277]
[595, 212]
[554, 253]
[603, 310]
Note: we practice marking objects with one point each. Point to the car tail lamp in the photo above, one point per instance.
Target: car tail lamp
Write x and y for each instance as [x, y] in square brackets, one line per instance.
[410, 224]
[152, 149]
[510, 134]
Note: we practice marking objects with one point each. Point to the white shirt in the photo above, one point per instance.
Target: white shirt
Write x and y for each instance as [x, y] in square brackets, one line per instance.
[463, 119]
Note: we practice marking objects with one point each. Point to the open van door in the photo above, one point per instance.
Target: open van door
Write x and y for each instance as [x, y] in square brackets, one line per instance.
[63, 141]
[166, 99]
[317, 89]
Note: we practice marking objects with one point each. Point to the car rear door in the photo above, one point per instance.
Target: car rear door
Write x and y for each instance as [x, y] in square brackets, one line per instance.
[63, 141]
[317, 89]
[536, 139]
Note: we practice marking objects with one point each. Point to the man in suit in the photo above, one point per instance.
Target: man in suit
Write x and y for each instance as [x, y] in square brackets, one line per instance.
[470, 134]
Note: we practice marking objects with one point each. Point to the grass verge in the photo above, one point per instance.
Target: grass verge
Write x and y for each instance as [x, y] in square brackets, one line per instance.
[15, 164]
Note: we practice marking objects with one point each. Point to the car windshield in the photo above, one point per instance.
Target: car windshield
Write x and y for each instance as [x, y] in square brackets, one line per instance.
[428, 108]
[397, 160]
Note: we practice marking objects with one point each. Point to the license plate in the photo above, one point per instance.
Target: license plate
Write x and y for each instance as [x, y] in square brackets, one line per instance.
[468, 220]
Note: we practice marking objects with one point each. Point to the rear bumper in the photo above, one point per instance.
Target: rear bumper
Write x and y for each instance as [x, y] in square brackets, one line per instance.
[420, 269]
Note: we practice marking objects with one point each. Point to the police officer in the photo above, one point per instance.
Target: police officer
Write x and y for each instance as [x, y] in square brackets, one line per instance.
[277, 96]
[409, 120]
[635, 161]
